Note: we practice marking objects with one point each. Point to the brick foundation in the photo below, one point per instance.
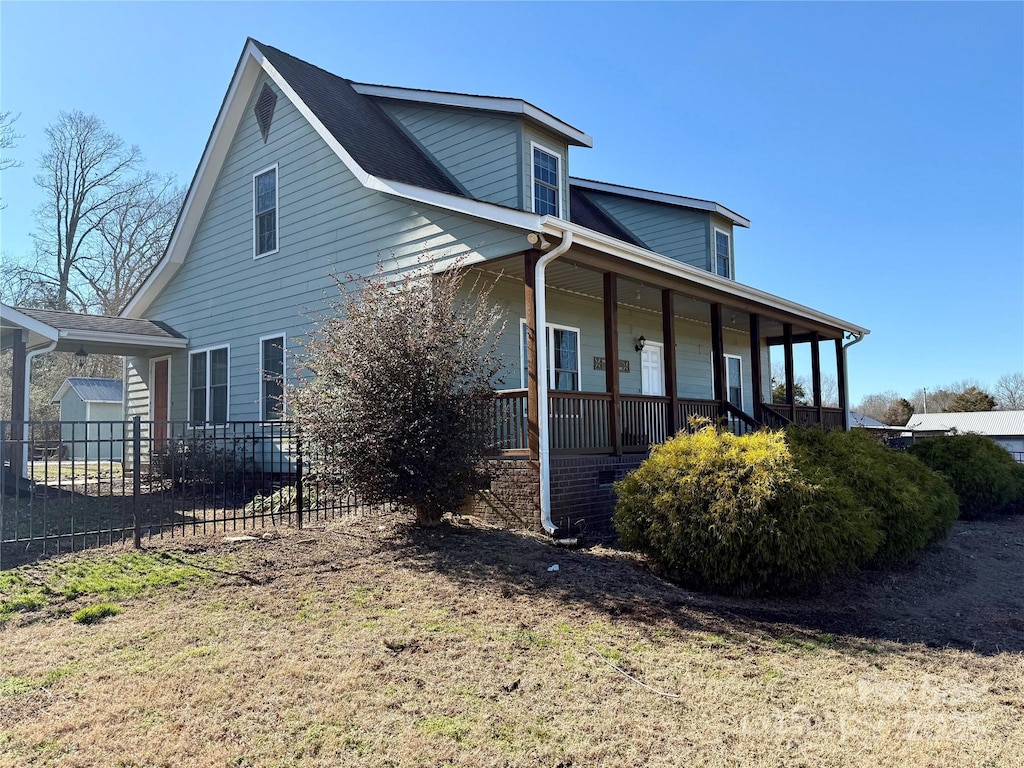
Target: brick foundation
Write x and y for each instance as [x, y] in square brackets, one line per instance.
[582, 499]
[512, 500]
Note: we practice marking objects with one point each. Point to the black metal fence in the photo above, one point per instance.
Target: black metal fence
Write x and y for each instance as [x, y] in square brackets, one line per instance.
[87, 484]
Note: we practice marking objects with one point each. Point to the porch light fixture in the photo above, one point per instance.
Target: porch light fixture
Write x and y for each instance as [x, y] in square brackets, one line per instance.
[640, 344]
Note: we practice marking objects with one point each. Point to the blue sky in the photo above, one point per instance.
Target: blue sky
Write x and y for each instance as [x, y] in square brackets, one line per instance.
[877, 148]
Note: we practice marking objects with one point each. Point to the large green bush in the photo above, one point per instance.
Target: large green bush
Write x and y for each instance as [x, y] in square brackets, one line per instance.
[736, 514]
[984, 476]
[914, 505]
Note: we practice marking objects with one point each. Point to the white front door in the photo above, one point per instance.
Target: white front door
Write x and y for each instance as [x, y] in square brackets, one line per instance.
[652, 369]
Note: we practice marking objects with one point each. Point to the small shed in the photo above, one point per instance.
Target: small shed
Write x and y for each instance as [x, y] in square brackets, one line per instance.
[92, 418]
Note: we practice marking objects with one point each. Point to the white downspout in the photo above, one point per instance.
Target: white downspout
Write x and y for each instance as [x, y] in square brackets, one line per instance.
[28, 381]
[540, 302]
[858, 337]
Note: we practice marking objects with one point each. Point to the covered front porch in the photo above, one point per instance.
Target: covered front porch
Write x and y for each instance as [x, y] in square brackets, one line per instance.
[632, 354]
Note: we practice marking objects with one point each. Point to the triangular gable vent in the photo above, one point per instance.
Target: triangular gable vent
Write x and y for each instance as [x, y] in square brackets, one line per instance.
[264, 110]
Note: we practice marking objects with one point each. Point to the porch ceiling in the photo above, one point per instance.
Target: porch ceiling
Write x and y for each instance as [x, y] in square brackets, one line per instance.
[571, 276]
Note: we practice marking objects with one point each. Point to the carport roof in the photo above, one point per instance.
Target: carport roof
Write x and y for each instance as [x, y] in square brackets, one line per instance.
[97, 334]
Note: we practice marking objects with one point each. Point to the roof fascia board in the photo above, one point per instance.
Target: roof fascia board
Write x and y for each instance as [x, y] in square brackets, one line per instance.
[64, 387]
[30, 324]
[129, 339]
[478, 209]
[485, 103]
[661, 197]
[589, 238]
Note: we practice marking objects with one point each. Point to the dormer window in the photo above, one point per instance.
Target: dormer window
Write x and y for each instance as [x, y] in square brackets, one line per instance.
[264, 195]
[546, 181]
[723, 254]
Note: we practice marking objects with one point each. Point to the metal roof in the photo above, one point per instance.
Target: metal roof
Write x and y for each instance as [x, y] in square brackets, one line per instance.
[992, 423]
[92, 390]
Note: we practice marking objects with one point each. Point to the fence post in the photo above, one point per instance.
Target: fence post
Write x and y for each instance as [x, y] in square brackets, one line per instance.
[136, 478]
[298, 475]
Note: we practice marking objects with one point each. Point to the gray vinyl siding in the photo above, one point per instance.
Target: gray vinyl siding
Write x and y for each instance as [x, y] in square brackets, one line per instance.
[328, 223]
[531, 134]
[693, 343]
[480, 152]
[675, 232]
[71, 407]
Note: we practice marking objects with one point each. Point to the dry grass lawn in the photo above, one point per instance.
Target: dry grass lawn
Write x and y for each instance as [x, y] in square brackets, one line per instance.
[367, 644]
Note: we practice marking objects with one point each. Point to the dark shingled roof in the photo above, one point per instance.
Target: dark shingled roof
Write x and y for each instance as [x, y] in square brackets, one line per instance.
[73, 321]
[359, 124]
[586, 213]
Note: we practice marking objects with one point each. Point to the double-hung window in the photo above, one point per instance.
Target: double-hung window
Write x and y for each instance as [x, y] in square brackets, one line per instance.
[264, 196]
[272, 378]
[563, 357]
[208, 386]
[723, 254]
[546, 186]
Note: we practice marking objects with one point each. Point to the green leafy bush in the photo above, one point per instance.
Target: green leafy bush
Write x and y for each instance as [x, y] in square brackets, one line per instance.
[914, 506]
[984, 476]
[736, 514]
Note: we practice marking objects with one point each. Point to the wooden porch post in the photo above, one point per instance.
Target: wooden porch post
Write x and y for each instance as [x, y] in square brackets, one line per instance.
[787, 340]
[611, 357]
[668, 325]
[756, 382]
[841, 376]
[816, 375]
[532, 406]
[15, 449]
[718, 356]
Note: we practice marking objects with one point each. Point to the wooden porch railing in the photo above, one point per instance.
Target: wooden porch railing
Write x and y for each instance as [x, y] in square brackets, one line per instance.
[578, 421]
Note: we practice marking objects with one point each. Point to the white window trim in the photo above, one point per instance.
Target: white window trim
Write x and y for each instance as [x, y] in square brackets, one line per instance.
[152, 394]
[227, 410]
[714, 253]
[284, 375]
[743, 394]
[277, 212]
[561, 176]
[551, 356]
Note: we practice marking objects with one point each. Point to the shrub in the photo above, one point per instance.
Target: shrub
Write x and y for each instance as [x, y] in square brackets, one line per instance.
[399, 377]
[914, 506]
[735, 514]
[984, 476]
[211, 462]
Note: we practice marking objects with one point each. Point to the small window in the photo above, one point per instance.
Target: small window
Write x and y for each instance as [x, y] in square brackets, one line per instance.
[563, 357]
[734, 380]
[208, 386]
[265, 212]
[546, 176]
[722, 254]
[272, 378]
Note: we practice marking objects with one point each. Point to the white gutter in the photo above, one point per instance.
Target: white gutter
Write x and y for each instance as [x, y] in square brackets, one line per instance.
[28, 380]
[541, 328]
[858, 337]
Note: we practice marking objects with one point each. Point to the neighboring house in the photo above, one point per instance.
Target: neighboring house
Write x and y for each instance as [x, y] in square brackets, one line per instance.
[92, 418]
[1005, 427]
[642, 321]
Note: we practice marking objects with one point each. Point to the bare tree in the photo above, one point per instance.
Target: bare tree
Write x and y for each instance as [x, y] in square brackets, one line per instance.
[86, 173]
[131, 239]
[1009, 392]
[877, 405]
[8, 140]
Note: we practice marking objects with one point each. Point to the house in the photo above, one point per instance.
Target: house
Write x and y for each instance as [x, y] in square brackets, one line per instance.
[626, 314]
[1005, 427]
[92, 418]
